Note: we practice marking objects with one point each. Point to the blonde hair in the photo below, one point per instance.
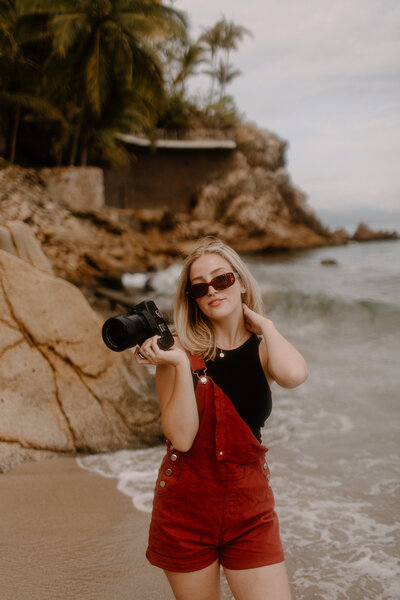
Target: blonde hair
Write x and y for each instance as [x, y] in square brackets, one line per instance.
[193, 328]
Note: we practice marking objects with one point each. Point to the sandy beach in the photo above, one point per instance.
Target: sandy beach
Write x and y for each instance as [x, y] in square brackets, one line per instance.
[60, 529]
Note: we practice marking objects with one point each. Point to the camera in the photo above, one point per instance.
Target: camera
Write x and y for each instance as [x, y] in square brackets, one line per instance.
[143, 321]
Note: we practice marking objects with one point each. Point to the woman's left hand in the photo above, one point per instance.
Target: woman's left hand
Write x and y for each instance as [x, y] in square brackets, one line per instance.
[281, 361]
[252, 320]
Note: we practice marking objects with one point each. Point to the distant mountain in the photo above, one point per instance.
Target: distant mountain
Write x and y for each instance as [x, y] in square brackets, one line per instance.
[349, 218]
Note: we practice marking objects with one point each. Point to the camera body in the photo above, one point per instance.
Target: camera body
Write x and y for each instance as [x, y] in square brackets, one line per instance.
[143, 321]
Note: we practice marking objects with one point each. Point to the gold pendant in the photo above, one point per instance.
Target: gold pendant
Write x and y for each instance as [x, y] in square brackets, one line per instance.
[221, 354]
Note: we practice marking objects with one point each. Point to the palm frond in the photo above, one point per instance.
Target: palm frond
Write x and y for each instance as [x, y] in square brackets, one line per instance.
[145, 16]
[67, 29]
[40, 106]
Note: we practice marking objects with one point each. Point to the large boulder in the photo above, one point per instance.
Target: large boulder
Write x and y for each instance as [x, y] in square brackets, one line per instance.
[62, 390]
[17, 238]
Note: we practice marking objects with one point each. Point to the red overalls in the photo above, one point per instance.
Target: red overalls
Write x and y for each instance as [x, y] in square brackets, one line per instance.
[214, 501]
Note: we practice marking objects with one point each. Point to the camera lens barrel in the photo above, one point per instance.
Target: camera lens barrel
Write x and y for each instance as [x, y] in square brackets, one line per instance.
[143, 321]
[125, 331]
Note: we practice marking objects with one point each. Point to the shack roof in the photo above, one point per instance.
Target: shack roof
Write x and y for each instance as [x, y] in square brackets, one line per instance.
[204, 144]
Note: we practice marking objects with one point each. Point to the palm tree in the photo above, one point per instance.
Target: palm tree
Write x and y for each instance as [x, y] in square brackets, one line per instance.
[104, 46]
[10, 62]
[223, 36]
[192, 56]
[231, 35]
[224, 75]
[20, 94]
[213, 37]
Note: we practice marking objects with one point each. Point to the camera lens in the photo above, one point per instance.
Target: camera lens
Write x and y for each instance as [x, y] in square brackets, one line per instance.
[125, 331]
[115, 333]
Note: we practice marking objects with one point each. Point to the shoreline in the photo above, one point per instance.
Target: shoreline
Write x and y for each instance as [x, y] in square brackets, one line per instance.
[61, 526]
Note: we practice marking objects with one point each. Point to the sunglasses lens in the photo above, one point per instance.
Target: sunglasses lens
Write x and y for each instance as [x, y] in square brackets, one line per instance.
[198, 290]
[221, 282]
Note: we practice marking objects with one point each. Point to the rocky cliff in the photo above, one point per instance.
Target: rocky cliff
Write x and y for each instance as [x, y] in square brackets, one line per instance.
[254, 207]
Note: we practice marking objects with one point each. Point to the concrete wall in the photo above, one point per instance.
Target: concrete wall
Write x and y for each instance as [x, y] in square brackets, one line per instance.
[164, 177]
[77, 188]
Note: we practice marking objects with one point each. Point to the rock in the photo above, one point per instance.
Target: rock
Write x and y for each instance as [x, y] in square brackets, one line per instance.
[254, 206]
[62, 389]
[214, 197]
[76, 188]
[162, 218]
[82, 246]
[329, 261]
[6, 241]
[261, 147]
[18, 239]
[339, 237]
[251, 214]
[279, 235]
[364, 234]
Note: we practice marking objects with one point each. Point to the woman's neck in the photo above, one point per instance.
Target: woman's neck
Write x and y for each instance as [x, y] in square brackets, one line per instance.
[228, 338]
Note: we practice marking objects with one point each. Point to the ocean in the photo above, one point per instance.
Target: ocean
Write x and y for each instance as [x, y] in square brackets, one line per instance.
[334, 441]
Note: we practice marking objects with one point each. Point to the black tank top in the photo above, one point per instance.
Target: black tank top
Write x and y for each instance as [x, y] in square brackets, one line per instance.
[241, 377]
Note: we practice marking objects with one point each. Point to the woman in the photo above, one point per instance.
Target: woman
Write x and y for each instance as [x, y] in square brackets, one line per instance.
[213, 504]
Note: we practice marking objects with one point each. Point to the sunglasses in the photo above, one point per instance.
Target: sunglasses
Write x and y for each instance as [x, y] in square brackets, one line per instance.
[220, 282]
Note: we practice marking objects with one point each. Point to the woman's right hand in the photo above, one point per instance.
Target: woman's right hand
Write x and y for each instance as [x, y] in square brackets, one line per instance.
[149, 353]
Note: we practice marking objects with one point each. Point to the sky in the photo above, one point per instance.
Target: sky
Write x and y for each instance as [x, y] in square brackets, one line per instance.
[324, 75]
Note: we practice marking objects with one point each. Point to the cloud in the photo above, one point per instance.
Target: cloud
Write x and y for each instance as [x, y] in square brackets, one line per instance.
[326, 77]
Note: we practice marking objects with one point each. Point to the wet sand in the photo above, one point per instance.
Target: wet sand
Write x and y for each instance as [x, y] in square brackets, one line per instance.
[66, 533]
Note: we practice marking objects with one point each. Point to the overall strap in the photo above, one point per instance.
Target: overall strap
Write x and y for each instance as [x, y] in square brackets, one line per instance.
[196, 362]
[198, 367]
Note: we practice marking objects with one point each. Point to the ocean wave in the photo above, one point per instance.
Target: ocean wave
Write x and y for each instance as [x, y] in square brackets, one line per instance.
[339, 544]
[296, 302]
[334, 531]
[135, 470]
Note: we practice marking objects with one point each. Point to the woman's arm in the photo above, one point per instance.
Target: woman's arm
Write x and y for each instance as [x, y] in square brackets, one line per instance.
[174, 384]
[281, 361]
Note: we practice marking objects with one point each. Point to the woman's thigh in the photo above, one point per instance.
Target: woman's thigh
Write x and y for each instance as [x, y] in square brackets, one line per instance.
[196, 585]
[263, 583]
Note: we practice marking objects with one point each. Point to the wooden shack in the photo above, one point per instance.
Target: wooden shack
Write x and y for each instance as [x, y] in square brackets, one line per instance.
[167, 173]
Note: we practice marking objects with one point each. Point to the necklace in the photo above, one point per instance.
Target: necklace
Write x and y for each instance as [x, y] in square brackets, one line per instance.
[221, 353]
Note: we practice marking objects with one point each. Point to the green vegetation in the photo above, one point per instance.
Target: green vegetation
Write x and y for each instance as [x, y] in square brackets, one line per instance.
[73, 73]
